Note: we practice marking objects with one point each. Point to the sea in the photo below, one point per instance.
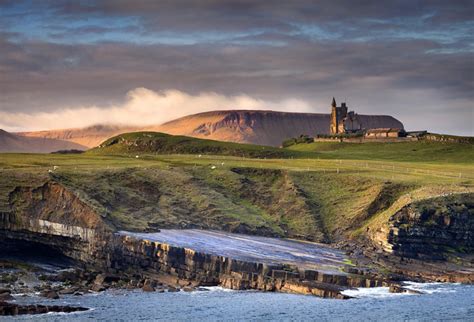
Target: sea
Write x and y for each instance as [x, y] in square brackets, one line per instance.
[440, 302]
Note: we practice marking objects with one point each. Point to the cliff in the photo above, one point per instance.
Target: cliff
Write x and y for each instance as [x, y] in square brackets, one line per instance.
[430, 238]
[436, 228]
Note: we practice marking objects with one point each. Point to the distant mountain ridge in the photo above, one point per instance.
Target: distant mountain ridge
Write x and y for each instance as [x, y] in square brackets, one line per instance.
[242, 126]
[89, 137]
[10, 142]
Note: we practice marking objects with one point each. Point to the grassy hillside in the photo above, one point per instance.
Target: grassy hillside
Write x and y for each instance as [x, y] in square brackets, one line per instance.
[308, 198]
[160, 143]
[152, 143]
[315, 191]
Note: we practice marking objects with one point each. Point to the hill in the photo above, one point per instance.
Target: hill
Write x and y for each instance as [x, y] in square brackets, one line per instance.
[15, 143]
[240, 126]
[89, 137]
[161, 143]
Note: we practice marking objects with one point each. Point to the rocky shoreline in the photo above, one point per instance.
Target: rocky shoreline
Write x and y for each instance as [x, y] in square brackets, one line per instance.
[101, 258]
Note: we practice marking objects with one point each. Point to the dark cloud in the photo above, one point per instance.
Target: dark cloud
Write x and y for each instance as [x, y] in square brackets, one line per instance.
[382, 57]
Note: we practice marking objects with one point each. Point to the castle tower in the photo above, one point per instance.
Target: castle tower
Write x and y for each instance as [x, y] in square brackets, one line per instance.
[338, 113]
[333, 126]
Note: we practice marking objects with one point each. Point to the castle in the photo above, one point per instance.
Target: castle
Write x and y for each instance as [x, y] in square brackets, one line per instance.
[343, 121]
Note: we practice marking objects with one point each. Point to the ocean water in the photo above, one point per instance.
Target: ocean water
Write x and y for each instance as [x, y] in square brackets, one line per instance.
[441, 302]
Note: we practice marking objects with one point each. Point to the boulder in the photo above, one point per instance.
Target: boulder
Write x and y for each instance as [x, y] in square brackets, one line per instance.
[396, 288]
[69, 290]
[6, 297]
[189, 289]
[68, 275]
[173, 289]
[97, 288]
[105, 279]
[50, 295]
[148, 288]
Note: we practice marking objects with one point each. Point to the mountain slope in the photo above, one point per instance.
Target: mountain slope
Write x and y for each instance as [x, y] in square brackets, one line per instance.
[260, 127]
[15, 143]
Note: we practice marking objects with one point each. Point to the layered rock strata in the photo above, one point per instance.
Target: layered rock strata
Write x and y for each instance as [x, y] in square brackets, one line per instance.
[43, 218]
[181, 265]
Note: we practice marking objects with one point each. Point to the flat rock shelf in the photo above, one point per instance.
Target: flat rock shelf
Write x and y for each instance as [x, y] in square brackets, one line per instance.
[273, 251]
[236, 261]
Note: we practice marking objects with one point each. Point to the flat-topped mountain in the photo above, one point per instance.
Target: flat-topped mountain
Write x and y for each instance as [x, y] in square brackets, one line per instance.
[240, 126]
[261, 127]
[10, 142]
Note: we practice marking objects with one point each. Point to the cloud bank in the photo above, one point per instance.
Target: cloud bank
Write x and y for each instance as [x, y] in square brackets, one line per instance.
[143, 107]
[409, 59]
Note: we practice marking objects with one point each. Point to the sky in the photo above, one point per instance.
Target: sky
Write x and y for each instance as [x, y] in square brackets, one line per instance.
[77, 63]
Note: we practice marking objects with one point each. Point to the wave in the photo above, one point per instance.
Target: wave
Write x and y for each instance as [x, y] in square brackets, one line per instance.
[382, 292]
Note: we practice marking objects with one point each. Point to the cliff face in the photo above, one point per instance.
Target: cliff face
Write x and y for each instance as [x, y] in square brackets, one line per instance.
[435, 228]
[261, 127]
[53, 216]
[54, 203]
[10, 142]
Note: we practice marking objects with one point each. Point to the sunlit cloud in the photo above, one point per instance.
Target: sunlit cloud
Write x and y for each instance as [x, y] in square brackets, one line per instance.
[143, 107]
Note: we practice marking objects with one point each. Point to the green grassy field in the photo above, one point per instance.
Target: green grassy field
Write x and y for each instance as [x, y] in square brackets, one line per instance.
[417, 151]
[314, 191]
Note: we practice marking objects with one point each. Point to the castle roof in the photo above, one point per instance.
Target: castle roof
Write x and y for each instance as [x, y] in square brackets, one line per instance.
[383, 130]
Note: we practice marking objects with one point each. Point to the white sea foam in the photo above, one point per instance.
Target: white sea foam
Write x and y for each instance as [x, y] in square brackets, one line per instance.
[430, 288]
[371, 292]
[216, 289]
[381, 292]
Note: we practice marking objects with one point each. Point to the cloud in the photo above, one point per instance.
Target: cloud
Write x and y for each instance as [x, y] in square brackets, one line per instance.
[143, 107]
[409, 59]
